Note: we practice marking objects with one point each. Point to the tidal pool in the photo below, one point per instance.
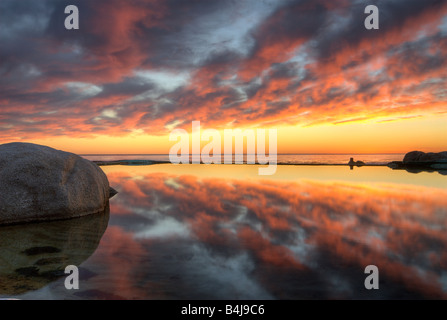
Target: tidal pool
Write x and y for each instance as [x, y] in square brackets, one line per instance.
[222, 232]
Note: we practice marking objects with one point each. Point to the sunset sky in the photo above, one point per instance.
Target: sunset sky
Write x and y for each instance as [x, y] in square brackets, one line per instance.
[137, 69]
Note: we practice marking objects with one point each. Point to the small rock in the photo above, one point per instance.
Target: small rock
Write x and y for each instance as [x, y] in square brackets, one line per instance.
[355, 163]
[112, 192]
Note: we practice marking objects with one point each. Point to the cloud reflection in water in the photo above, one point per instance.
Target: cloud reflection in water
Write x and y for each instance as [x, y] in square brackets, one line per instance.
[184, 237]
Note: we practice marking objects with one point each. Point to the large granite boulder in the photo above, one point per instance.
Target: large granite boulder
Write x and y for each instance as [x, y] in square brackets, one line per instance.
[419, 156]
[38, 183]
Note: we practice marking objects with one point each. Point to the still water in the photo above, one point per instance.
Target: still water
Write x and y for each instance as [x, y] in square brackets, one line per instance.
[222, 232]
[381, 158]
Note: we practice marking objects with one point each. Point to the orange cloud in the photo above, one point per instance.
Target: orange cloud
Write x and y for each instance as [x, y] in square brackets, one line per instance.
[300, 63]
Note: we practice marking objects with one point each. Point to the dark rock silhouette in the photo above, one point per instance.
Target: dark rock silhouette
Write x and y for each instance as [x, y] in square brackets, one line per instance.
[353, 163]
[112, 192]
[419, 156]
[418, 161]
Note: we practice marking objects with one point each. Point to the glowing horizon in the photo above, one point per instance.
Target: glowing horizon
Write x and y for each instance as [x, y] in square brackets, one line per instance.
[306, 68]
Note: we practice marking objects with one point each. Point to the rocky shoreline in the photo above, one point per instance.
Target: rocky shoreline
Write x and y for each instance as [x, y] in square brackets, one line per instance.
[128, 162]
[418, 161]
[413, 162]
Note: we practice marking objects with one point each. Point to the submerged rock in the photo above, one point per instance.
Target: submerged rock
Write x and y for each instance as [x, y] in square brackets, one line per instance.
[39, 183]
[34, 255]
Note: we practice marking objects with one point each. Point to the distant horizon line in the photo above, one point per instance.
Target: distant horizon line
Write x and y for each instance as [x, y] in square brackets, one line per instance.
[283, 154]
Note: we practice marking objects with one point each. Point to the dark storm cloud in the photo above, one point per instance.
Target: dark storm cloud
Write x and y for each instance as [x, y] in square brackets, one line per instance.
[129, 87]
[157, 28]
[393, 16]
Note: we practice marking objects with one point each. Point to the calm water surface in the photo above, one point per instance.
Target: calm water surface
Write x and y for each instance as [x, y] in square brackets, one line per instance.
[382, 158]
[222, 232]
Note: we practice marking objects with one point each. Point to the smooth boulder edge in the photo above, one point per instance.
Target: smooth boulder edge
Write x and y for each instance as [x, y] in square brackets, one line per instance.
[39, 183]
